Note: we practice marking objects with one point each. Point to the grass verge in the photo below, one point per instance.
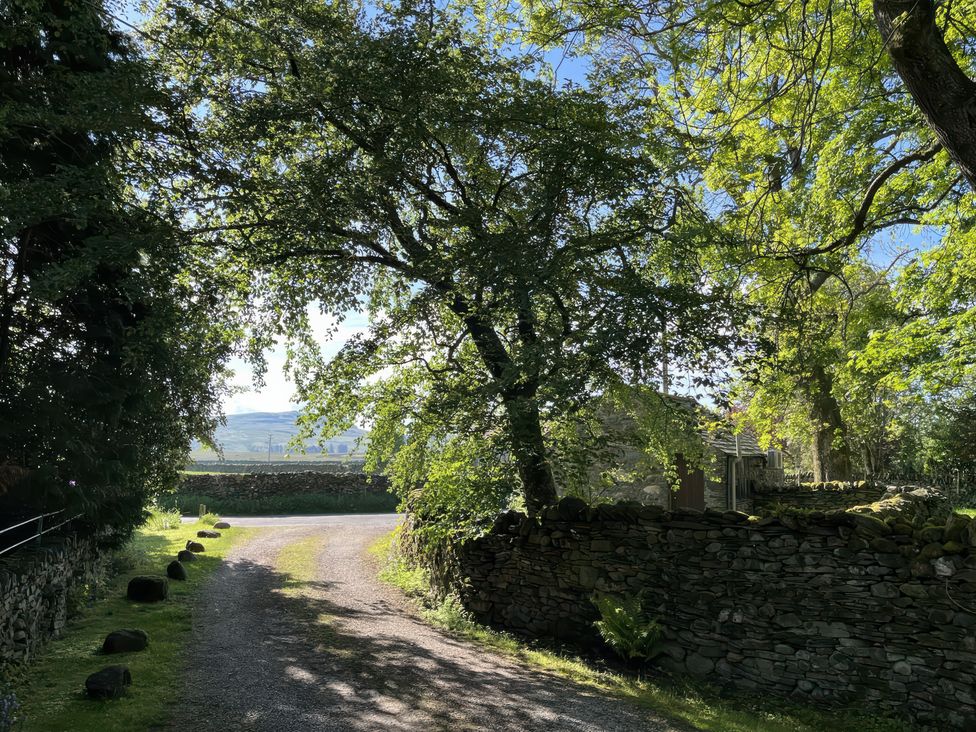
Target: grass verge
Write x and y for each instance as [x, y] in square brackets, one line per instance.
[51, 690]
[701, 706]
[189, 504]
[297, 563]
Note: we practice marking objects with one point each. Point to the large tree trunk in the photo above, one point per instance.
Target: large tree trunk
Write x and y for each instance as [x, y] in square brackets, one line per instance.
[830, 461]
[867, 457]
[941, 89]
[530, 452]
[522, 409]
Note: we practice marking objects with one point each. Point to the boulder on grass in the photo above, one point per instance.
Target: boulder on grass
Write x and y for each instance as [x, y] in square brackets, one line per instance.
[186, 556]
[175, 570]
[126, 640]
[109, 683]
[207, 534]
[194, 546]
[148, 588]
[221, 525]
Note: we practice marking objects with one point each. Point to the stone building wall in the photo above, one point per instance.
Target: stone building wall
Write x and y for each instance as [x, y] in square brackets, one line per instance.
[841, 608]
[261, 485]
[38, 589]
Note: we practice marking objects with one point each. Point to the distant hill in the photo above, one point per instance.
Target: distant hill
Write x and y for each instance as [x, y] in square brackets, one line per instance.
[247, 434]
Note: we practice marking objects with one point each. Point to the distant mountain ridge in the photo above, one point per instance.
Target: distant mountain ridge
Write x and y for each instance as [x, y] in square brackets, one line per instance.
[250, 432]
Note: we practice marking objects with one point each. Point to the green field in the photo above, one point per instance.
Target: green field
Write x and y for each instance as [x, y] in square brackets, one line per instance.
[262, 457]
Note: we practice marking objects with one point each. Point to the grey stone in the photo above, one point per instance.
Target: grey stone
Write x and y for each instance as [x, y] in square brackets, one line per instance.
[588, 576]
[109, 683]
[913, 589]
[698, 665]
[147, 588]
[787, 620]
[126, 640]
[175, 570]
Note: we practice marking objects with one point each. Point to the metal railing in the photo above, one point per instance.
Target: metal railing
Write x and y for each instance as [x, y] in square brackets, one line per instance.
[40, 530]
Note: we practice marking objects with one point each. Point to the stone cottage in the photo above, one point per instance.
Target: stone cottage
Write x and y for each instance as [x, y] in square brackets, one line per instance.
[724, 474]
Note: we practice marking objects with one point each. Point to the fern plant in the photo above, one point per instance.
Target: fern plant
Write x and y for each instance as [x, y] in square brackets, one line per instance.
[626, 627]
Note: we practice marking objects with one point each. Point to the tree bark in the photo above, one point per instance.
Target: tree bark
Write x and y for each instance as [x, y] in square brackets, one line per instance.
[519, 397]
[530, 452]
[941, 89]
[830, 461]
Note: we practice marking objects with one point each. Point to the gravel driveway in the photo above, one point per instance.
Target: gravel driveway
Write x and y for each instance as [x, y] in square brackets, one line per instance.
[345, 653]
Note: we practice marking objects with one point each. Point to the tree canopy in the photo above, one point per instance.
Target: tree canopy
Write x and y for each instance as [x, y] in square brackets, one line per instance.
[108, 362]
[769, 202]
[819, 153]
[518, 245]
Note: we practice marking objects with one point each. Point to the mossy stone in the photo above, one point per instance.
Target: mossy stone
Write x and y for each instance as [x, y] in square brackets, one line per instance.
[930, 534]
[953, 547]
[885, 546]
[901, 528]
[868, 525]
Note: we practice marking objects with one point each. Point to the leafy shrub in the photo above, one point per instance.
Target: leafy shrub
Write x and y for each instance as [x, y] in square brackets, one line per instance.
[397, 570]
[209, 519]
[8, 708]
[161, 519]
[626, 627]
[451, 615]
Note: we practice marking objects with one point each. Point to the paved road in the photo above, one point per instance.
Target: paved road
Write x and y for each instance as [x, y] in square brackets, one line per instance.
[345, 652]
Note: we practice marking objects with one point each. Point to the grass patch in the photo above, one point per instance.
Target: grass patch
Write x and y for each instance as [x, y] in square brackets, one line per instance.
[51, 689]
[695, 703]
[298, 564]
[189, 504]
[298, 561]
[395, 570]
[971, 512]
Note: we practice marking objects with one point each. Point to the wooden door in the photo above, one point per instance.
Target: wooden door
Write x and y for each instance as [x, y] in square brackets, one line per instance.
[691, 486]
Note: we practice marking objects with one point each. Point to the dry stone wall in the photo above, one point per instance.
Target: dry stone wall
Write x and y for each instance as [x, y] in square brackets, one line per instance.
[838, 608]
[261, 485]
[816, 496]
[37, 590]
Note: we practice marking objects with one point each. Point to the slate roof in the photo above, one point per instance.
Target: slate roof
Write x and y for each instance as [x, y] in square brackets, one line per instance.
[721, 439]
[724, 442]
